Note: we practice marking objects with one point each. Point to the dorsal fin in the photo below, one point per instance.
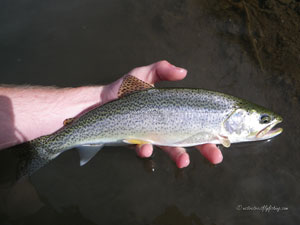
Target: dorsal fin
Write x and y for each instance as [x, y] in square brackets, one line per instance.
[131, 84]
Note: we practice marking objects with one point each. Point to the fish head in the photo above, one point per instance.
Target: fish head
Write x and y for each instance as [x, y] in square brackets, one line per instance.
[251, 123]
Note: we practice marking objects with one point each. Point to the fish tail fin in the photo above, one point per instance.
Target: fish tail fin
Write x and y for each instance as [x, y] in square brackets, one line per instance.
[33, 155]
[29, 158]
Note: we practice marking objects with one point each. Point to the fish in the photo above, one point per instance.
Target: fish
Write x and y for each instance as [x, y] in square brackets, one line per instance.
[143, 114]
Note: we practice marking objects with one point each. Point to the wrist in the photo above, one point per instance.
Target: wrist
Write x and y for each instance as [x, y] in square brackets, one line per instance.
[68, 103]
[30, 112]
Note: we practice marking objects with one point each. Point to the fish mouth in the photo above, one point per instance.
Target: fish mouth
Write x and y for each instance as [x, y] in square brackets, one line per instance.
[269, 131]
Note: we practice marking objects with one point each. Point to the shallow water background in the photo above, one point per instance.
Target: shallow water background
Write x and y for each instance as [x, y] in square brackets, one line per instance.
[249, 49]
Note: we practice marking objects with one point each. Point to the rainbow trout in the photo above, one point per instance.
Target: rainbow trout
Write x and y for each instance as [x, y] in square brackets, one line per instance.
[159, 116]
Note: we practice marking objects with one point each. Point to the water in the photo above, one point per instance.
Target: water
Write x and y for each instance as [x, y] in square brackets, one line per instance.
[247, 49]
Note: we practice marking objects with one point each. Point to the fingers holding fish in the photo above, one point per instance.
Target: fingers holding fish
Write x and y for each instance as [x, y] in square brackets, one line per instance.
[178, 155]
[211, 152]
[144, 151]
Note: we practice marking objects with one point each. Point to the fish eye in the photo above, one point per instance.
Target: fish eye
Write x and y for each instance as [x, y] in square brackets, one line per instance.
[265, 119]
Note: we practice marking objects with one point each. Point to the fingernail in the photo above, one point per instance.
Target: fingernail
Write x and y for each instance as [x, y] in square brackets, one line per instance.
[182, 160]
[181, 70]
[218, 159]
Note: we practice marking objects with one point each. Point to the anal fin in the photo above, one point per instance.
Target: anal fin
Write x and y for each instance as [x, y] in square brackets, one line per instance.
[87, 152]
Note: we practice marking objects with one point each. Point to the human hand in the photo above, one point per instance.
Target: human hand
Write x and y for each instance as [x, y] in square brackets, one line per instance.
[151, 74]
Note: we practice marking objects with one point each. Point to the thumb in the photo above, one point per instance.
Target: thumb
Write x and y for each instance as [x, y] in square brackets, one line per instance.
[161, 70]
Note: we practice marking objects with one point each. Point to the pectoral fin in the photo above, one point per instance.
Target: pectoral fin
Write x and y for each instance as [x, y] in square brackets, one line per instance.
[131, 84]
[224, 141]
[87, 152]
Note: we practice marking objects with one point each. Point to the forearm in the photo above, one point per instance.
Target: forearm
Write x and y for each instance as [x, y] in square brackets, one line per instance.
[29, 112]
